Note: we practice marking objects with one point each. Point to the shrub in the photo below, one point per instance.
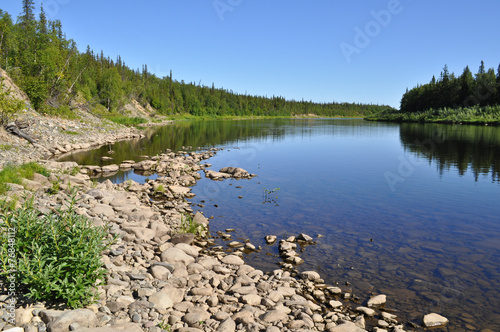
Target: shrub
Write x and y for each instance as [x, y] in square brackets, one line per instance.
[58, 255]
[8, 106]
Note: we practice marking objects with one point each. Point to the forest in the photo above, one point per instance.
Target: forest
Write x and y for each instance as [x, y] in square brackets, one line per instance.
[54, 73]
[466, 99]
[449, 91]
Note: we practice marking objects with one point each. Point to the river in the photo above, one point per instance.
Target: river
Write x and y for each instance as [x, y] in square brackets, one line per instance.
[408, 210]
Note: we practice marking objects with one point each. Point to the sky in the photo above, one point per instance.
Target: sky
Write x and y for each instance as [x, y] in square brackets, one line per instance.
[320, 50]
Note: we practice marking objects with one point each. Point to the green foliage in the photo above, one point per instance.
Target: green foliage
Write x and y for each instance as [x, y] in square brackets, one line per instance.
[58, 255]
[62, 112]
[8, 106]
[189, 226]
[36, 89]
[468, 115]
[452, 92]
[126, 120]
[270, 196]
[52, 69]
[165, 326]
[5, 147]
[15, 174]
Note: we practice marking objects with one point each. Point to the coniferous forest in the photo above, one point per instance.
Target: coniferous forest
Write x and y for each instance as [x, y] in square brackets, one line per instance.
[54, 73]
[468, 98]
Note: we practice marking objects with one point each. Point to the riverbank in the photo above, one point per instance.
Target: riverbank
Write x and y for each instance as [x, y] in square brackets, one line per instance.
[488, 115]
[54, 136]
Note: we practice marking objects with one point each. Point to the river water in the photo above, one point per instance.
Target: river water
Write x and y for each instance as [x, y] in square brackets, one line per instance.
[408, 210]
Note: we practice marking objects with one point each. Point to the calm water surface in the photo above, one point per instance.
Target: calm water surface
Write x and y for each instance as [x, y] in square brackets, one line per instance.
[410, 210]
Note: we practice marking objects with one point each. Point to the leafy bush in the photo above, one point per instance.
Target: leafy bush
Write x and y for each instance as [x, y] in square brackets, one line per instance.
[8, 107]
[58, 255]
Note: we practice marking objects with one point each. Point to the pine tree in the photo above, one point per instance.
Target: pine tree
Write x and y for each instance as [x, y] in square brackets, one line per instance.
[42, 23]
[466, 95]
[28, 14]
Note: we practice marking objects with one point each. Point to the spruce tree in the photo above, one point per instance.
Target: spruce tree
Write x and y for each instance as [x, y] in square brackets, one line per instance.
[28, 14]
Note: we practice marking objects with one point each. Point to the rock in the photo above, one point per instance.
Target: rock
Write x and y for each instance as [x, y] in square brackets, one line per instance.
[23, 316]
[160, 272]
[174, 293]
[187, 238]
[434, 320]
[200, 219]
[96, 193]
[83, 317]
[235, 244]
[202, 291]
[377, 301]
[178, 190]
[236, 172]
[304, 237]
[366, 311]
[161, 301]
[195, 316]
[190, 250]
[227, 325]
[274, 316]
[103, 209]
[251, 299]
[335, 304]
[270, 239]
[110, 168]
[232, 260]
[141, 233]
[125, 327]
[310, 275]
[346, 327]
[176, 256]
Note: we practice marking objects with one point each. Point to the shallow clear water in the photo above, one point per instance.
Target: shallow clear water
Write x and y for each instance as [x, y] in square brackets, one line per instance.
[410, 210]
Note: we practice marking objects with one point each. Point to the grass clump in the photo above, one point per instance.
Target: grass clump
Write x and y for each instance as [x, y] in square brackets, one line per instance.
[188, 225]
[15, 174]
[57, 256]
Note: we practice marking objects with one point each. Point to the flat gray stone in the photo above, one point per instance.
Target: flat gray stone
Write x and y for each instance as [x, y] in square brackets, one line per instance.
[232, 260]
[434, 320]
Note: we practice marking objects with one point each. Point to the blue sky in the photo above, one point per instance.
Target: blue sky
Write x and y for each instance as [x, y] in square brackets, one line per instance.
[345, 51]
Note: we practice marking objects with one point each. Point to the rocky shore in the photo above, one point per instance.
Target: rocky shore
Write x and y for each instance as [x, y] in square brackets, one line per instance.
[55, 136]
[163, 279]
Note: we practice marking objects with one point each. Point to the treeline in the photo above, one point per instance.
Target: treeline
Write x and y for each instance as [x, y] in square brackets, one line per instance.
[53, 72]
[466, 91]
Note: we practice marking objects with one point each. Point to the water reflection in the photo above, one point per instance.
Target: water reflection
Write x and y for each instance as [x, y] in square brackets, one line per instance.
[473, 149]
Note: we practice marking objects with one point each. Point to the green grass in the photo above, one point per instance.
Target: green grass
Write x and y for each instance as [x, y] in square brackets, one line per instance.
[5, 147]
[57, 256]
[127, 121]
[70, 132]
[62, 112]
[15, 174]
[471, 115]
[189, 226]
